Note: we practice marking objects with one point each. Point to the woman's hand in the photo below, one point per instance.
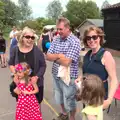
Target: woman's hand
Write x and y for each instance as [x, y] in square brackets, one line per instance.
[34, 79]
[106, 103]
[17, 91]
[16, 79]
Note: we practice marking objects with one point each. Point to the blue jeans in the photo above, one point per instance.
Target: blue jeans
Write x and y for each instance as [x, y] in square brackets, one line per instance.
[65, 94]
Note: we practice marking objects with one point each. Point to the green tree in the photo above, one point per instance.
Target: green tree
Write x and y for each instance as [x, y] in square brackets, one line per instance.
[2, 13]
[11, 12]
[42, 22]
[25, 10]
[54, 9]
[78, 11]
[105, 4]
[38, 24]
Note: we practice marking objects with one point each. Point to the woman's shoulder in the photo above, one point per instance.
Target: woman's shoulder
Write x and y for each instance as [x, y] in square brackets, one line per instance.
[107, 55]
[37, 51]
[88, 53]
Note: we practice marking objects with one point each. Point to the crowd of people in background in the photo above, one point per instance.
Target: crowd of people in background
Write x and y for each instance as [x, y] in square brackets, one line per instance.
[2, 51]
[27, 63]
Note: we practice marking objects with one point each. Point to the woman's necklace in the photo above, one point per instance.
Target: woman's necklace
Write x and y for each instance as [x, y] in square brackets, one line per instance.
[92, 56]
[24, 56]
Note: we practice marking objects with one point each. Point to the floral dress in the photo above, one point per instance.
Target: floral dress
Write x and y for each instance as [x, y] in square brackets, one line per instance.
[27, 105]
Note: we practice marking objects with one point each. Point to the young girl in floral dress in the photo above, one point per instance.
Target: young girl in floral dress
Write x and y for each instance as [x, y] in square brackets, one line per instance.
[27, 105]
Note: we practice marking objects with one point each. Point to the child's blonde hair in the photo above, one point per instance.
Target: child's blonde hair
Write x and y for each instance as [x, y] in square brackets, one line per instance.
[92, 90]
[23, 66]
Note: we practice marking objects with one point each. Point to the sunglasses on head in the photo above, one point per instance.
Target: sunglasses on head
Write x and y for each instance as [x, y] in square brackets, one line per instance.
[93, 37]
[28, 37]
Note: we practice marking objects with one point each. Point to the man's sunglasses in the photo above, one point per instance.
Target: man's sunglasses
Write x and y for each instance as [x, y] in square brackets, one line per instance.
[94, 37]
[28, 37]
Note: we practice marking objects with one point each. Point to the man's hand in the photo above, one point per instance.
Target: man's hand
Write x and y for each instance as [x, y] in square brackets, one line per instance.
[61, 55]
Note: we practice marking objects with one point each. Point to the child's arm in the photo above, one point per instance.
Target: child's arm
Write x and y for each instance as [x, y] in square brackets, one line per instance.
[92, 117]
[32, 92]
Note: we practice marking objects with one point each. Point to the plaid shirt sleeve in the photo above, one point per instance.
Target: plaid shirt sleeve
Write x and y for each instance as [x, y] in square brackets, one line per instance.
[74, 51]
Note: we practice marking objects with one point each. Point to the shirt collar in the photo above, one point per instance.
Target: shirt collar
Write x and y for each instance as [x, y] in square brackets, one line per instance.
[67, 38]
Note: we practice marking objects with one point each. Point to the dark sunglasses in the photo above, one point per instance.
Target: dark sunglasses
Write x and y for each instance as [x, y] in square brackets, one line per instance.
[94, 37]
[28, 37]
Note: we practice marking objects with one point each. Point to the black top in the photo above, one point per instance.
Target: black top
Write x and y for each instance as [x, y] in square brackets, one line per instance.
[45, 38]
[93, 64]
[2, 45]
[28, 58]
[39, 62]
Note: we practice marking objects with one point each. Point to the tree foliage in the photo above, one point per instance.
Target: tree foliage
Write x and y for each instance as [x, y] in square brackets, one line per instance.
[79, 10]
[25, 9]
[105, 4]
[54, 9]
[38, 24]
[12, 14]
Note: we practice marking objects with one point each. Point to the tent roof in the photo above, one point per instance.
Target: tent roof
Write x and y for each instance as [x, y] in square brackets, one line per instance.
[96, 22]
[49, 26]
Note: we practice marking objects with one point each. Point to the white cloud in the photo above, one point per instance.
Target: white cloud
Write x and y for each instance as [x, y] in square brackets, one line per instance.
[39, 6]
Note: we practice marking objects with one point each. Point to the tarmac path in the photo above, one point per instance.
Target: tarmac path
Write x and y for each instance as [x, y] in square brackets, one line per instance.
[49, 108]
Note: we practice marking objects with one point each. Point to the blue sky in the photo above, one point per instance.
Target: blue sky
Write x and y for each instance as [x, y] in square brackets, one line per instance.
[39, 6]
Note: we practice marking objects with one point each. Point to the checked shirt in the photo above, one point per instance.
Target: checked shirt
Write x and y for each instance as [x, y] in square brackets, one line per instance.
[70, 47]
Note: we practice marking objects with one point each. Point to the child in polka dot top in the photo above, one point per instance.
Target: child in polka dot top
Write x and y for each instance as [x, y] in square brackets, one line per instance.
[27, 105]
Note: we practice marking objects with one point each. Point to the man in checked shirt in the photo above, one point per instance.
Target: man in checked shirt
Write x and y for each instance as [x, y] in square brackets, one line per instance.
[64, 50]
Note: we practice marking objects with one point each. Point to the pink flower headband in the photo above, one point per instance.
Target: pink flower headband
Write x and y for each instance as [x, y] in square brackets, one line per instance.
[19, 67]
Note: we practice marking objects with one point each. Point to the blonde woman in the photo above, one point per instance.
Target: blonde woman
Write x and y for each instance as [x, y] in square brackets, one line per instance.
[28, 52]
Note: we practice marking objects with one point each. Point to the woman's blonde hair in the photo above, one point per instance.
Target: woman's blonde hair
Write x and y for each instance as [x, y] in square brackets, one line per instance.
[98, 31]
[22, 33]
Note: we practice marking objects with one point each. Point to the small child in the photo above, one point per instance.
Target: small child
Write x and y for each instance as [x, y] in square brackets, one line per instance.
[92, 95]
[2, 51]
[27, 105]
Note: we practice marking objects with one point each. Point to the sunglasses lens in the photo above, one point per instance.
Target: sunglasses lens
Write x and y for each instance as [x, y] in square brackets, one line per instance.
[32, 37]
[88, 38]
[28, 37]
[94, 37]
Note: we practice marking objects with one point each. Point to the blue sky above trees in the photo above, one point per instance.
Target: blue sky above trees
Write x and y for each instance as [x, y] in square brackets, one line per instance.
[39, 6]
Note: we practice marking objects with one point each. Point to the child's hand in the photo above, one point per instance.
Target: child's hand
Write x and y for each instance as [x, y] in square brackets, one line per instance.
[25, 92]
[78, 80]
